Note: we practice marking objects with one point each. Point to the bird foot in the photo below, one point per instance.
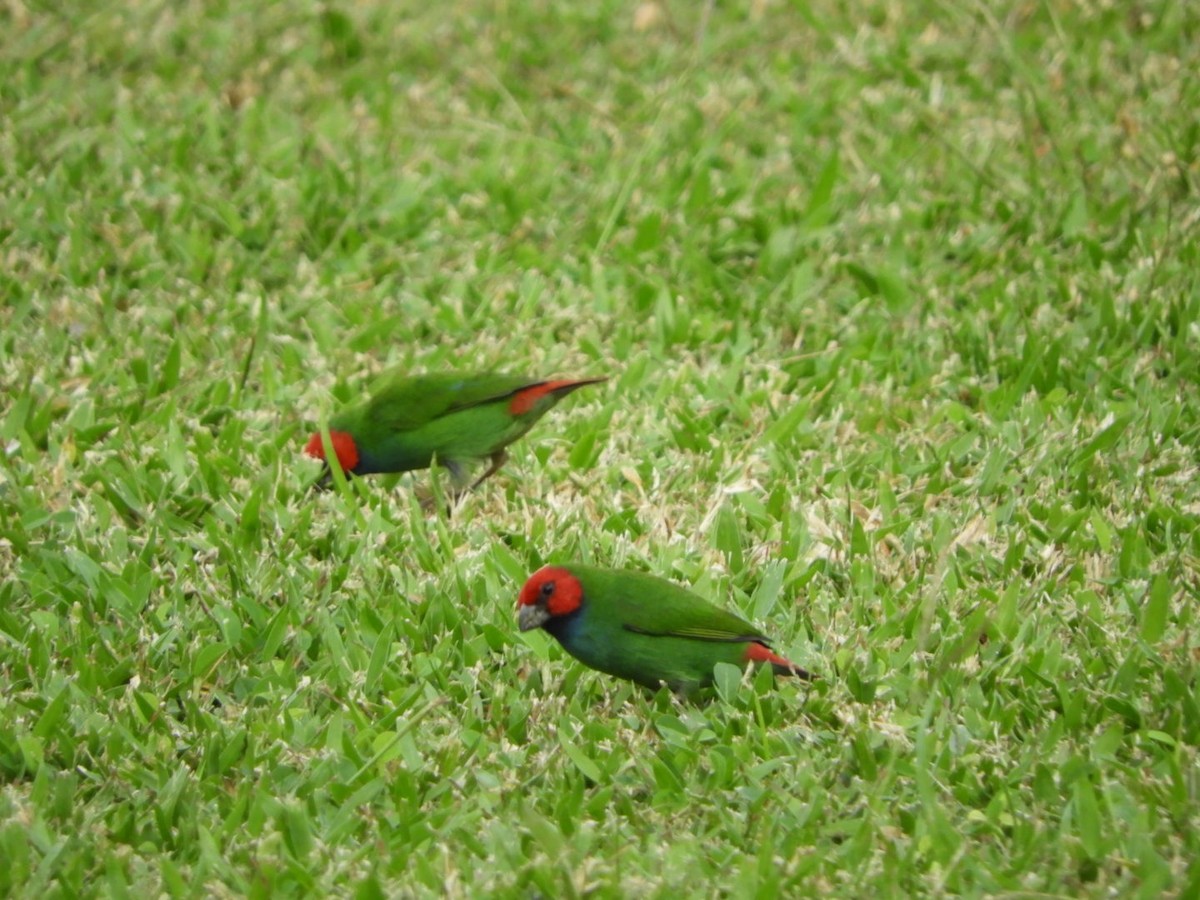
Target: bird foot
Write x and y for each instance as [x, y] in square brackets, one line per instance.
[499, 458]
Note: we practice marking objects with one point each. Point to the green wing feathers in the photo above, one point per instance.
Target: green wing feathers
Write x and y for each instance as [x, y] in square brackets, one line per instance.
[661, 609]
[723, 635]
[402, 403]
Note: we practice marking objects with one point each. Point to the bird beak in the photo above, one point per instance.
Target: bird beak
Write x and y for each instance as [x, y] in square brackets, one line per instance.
[324, 483]
[531, 617]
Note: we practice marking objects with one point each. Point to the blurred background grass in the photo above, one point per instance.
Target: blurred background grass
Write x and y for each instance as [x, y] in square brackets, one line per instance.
[899, 306]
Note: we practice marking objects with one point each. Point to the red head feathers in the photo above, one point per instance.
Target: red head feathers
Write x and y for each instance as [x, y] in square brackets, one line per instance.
[553, 588]
[343, 446]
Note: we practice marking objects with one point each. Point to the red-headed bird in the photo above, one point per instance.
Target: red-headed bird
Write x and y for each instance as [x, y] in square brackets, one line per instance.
[640, 627]
[457, 418]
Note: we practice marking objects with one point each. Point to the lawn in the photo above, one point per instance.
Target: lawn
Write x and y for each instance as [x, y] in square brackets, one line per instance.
[900, 308]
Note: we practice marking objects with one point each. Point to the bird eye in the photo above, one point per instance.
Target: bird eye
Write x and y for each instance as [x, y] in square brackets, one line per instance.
[548, 589]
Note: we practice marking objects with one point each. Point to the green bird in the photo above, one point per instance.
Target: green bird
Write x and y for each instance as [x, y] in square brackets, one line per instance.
[640, 627]
[457, 418]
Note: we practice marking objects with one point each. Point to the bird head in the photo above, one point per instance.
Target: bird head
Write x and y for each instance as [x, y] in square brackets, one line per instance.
[343, 445]
[550, 592]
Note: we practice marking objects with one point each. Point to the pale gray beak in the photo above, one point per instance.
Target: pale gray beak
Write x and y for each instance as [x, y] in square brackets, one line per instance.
[531, 617]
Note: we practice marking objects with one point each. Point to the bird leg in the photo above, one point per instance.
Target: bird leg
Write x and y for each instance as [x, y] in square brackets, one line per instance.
[322, 484]
[498, 459]
[429, 504]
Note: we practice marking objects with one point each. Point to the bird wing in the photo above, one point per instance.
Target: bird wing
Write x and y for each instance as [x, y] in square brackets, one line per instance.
[401, 403]
[720, 633]
[666, 610]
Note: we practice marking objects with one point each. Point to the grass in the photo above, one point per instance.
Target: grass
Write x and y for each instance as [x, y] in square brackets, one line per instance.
[900, 308]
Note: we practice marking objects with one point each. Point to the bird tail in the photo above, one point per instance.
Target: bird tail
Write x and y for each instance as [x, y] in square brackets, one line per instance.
[761, 653]
[524, 399]
[564, 386]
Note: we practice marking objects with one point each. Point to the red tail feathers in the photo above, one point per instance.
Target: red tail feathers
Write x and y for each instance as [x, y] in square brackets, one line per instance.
[761, 653]
[525, 399]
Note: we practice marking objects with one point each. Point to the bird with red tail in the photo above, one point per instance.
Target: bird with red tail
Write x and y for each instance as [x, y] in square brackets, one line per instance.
[640, 627]
[459, 419]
